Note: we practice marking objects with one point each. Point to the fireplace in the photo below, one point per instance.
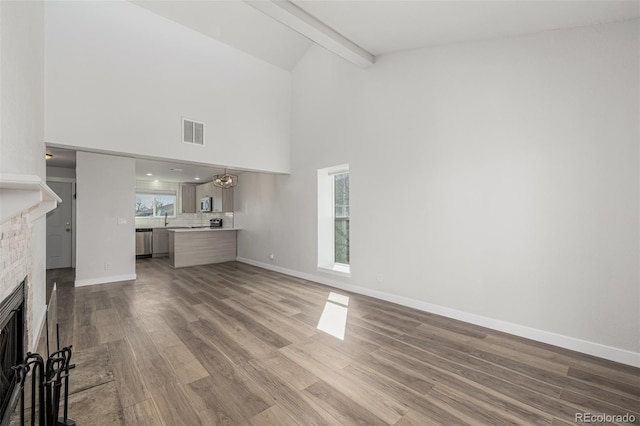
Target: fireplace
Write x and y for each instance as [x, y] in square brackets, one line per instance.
[12, 346]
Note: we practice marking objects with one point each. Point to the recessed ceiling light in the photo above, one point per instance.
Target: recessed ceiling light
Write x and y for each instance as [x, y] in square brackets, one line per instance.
[149, 174]
[156, 181]
[176, 170]
[196, 178]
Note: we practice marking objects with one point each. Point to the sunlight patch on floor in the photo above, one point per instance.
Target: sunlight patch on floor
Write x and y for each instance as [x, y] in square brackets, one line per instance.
[334, 315]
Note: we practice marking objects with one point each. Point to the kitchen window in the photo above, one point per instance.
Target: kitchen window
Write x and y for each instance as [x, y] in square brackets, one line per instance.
[334, 253]
[155, 204]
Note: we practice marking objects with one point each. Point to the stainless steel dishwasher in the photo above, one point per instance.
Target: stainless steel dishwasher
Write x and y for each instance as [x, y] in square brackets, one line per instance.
[144, 242]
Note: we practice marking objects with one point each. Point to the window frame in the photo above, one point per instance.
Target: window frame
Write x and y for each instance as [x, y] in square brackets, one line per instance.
[153, 193]
[327, 222]
[337, 219]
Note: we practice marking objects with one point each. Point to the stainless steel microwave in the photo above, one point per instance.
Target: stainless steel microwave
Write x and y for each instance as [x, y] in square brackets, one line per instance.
[205, 204]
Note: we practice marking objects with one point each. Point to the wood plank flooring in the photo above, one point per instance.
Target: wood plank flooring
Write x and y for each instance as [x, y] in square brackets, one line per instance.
[235, 344]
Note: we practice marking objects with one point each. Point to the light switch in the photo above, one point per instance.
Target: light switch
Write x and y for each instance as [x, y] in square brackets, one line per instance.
[122, 221]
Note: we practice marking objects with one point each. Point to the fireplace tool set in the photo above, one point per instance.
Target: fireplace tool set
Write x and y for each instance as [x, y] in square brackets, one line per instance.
[48, 377]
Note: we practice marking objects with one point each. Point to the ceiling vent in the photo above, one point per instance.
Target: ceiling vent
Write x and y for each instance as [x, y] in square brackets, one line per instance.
[192, 132]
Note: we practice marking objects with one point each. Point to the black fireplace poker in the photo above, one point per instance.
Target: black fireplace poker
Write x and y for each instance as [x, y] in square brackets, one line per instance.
[62, 374]
[21, 370]
[48, 377]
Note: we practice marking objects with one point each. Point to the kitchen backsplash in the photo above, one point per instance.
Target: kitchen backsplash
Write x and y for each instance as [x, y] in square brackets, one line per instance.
[186, 219]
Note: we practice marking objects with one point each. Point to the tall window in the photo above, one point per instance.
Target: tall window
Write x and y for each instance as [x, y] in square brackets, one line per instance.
[155, 205]
[334, 253]
[341, 217]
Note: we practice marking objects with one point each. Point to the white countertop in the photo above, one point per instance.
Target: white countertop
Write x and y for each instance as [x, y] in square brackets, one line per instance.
[207, 229]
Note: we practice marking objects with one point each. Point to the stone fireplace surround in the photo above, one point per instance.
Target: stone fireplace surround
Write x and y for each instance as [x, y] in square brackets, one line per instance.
[23, 199]
[16, 264]
[13, 346]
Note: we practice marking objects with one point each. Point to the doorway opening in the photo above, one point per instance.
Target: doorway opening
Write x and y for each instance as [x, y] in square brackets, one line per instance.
[61, 236]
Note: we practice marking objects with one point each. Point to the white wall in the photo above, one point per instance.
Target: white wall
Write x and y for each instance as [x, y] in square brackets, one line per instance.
[105, 191]
[119, 78]
[22, 123]
[22, 143]
[517, 198]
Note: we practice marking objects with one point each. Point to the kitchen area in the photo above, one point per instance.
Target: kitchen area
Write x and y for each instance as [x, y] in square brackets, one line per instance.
[180, 217]
[124, 209]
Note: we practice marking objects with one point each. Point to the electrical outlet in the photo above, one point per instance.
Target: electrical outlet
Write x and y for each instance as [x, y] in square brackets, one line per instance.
[272, 256]
[380, 278]
[107, 266]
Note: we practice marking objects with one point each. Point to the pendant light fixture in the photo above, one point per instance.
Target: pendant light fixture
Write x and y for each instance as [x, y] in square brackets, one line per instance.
[225, 181]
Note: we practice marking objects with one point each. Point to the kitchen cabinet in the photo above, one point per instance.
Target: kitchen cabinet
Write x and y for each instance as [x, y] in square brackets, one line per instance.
[160, 242]
[222, 198]
[188, 198]
[203, 190]
[227, 200]
[216, 205]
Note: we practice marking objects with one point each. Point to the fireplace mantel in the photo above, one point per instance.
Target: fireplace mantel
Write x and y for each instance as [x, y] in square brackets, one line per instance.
[25, 193]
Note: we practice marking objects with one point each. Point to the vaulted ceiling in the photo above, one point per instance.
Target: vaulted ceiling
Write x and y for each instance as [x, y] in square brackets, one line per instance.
[280, 31]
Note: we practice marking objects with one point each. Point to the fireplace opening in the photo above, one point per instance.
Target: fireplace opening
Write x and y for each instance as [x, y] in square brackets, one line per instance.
[11, 349]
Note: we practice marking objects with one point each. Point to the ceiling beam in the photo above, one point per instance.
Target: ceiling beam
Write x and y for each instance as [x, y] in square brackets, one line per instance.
[298, 20]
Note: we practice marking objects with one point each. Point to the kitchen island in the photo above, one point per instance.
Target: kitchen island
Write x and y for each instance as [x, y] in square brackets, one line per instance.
[201, 246]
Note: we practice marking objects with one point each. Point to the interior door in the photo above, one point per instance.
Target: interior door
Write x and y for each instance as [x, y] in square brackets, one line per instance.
[59, 231]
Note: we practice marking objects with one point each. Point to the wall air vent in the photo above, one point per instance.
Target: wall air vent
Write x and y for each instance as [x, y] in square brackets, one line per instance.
[192, 132]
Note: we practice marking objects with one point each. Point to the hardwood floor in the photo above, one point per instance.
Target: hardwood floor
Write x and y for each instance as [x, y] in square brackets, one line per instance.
[235, 344]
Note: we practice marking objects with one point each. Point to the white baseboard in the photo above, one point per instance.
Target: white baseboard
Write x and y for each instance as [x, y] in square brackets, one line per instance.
[104, 280]
[591, 348]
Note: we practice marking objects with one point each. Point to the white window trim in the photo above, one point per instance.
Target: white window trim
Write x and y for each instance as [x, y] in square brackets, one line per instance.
[159, 192]
[339, 269]
[326, 219]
